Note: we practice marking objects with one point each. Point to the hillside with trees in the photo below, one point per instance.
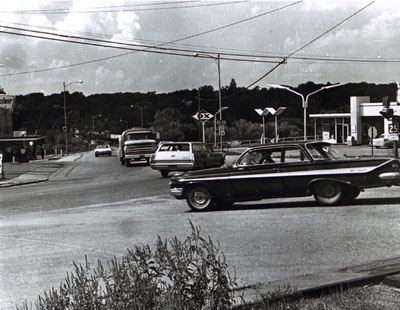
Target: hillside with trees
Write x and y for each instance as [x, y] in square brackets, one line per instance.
[98, 115]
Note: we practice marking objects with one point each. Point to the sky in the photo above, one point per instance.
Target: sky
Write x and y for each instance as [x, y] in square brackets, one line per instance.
[164, 46]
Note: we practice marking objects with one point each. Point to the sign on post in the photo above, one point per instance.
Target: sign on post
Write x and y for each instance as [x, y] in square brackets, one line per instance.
[203, 116]
[372, 132]
[393, 128]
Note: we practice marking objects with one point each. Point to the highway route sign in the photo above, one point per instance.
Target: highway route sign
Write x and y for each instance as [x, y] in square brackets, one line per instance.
[393, 128]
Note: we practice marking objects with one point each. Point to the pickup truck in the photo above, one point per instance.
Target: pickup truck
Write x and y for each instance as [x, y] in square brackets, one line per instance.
[184, 156]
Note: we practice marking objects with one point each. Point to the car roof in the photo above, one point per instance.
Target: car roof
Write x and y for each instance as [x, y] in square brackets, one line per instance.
[295, 143]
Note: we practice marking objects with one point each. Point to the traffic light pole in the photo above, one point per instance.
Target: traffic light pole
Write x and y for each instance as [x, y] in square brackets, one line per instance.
[395, 142]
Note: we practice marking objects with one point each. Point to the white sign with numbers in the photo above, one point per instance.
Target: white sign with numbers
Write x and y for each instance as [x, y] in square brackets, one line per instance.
[393, 128]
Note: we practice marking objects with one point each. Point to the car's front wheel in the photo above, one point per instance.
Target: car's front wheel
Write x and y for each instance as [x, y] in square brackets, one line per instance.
[200, 199]
[328, 192]
[164, 173]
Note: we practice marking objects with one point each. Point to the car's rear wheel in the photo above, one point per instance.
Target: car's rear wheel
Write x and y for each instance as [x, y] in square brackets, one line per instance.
[200, 199]
[328, 192]
[164, 173]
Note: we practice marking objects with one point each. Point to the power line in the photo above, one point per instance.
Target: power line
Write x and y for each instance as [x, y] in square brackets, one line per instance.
[310, 42]
[164, 44]
[191, 48]
[124, 8]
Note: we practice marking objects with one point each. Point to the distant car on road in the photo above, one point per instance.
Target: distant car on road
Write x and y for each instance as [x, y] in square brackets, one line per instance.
[184, 156]
[382, 141]
[103, 149]
[285, 170]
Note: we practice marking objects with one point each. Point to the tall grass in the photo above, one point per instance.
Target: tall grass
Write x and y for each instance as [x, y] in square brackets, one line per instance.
[188, 274]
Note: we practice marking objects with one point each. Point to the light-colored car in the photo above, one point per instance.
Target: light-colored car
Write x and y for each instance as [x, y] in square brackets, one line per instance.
[103, 149]
[184, 156]
[382, 141]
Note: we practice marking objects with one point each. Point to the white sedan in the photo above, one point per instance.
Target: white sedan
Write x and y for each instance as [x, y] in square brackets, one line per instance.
[103, 149]
[384, 140]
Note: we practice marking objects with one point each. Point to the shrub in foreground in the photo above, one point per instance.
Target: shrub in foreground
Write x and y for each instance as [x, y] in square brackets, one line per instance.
[189, 274]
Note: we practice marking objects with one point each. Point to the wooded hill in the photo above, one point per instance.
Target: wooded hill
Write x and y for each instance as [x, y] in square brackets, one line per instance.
[171, 113]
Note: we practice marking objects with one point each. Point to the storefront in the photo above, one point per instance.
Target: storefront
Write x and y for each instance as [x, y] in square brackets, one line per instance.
[21, 149]
[342, 127]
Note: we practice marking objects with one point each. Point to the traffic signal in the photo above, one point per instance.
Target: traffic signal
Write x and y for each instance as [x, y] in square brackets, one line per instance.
[387, 113]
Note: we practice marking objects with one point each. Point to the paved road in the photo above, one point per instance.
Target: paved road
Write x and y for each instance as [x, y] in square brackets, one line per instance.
[97, 207]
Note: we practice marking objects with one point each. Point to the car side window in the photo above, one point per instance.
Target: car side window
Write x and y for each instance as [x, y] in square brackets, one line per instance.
[272, 156]
[197, 147]
[294, 155]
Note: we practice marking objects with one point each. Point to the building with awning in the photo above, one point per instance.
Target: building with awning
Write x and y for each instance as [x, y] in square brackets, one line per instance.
[16, 145]
[342, 127]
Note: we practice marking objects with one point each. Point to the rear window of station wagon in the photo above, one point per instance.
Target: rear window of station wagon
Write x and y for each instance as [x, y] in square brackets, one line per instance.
[175, 147]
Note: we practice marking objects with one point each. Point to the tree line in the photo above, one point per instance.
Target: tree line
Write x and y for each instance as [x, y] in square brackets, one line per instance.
[171, 114]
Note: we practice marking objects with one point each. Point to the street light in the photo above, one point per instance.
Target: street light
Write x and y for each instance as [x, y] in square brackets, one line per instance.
[304, 100]
[65, 113]
[141, 113]
[217, 59]
[93, 117]
[273, 112]
[126, 122]
[262, 113]
[215, 125]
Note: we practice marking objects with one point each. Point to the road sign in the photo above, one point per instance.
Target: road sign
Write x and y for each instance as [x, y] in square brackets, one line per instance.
[203, 116]
[221, 122]
[221, 133]
[372, 132]
[393, 128]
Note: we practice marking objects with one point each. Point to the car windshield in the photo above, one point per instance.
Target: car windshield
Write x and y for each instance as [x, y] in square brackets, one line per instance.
[324, 151]
[140, 136]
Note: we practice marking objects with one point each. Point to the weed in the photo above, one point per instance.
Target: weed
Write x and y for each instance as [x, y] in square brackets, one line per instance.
[190, 274]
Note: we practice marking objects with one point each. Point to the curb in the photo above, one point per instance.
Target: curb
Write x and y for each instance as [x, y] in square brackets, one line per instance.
[12, 182]
[32, 176]
[386, 271]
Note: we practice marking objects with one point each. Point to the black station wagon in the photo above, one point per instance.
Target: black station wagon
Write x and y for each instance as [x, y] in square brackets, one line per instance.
[285, 170]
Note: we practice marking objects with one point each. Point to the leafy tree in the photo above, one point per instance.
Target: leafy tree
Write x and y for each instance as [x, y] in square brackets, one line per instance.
[168, 122]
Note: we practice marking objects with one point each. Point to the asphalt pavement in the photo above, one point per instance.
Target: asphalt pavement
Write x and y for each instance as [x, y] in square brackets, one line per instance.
[387, 270]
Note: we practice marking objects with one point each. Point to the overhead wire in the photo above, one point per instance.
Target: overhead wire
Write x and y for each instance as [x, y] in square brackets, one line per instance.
[158, 46]
[191, 48]
[309, 43]
[124, 8]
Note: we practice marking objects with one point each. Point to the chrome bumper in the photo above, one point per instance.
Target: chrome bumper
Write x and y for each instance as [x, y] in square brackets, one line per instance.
[176, 191]
[390, 176]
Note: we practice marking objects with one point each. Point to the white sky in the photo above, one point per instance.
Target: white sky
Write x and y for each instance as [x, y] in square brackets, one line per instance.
[371, 34]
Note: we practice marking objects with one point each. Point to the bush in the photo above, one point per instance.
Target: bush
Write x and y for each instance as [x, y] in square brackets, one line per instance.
[192, 274]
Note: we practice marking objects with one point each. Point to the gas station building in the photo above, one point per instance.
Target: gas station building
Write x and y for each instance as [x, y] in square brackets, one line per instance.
[353, 127]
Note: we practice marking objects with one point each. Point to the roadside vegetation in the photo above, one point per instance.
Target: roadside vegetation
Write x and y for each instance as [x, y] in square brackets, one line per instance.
[187, 275]
[97, 116]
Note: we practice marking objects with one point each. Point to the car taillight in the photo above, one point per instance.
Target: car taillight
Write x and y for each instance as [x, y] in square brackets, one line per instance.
[395, 165]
